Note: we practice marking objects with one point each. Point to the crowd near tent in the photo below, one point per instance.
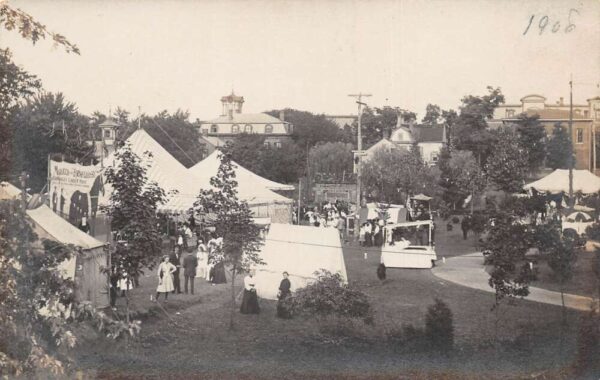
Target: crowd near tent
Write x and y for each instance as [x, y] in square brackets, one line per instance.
[83, 267]
[300, 251]
[183, 185]
[558, 182]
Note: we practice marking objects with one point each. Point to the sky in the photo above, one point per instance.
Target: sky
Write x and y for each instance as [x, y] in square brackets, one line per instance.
[309, 55]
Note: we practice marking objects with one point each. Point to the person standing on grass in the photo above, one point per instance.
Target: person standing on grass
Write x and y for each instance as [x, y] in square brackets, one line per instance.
[341, 226]
[250, 299]
[175, 259]
[465, 224]
[190, 262]
[361, 235]
[284, 292]
[202, 256]
[165, 278]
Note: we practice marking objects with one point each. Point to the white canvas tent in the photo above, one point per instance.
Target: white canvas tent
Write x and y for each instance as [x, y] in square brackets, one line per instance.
[83, 268]
[183, 186]
[10, 191]
[208, 167]
[301, 251]
[558, 181]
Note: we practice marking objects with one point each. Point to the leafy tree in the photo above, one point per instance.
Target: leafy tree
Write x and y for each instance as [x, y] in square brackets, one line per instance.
[507, 166]
[392, 175]
[310, 129]
[37, 305]
[285, 164]
[232, 221]
[247, 151]
[433, 114]
[559, 149]
[470, 131]
[17, 85]
[378, 123]
[460, 176]
[38, 132]
[133, 216]
[533, 140]
[331, 160]
[328, 295]
[561, 258]
[31, 29]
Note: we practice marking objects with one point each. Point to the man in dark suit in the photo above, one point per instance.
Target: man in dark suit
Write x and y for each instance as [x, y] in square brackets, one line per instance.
[175, 260]
[190, 262]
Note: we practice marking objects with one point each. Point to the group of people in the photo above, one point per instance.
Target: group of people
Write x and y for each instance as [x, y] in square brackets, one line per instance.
[207, 263]
[371, 233]
[250, 297]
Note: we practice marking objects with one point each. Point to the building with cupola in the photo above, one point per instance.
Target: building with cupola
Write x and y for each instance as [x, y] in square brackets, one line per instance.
[103, 138]
[233, 121]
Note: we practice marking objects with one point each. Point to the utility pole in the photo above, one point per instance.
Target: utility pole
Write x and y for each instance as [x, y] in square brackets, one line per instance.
[572, 152]
[23, 182]
[359, 96]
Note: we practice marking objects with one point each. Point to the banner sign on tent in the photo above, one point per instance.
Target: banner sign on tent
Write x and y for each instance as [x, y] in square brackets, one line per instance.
[74, 190]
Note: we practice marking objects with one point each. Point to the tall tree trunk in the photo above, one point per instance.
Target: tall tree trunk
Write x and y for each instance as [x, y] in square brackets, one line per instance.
[232, 311]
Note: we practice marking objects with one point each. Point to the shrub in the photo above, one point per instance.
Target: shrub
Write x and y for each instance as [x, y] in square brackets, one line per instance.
[455, 219]
[588, 343]
[439, 327]
[593, 231]
[329, 296]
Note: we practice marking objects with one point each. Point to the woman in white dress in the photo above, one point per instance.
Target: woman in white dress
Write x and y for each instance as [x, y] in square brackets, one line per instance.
[165, 278]
[202, 255]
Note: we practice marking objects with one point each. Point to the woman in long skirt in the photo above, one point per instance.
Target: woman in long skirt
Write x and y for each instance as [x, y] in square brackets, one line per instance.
[165, 278]
[250, 299]
[283, 293]
[218, 276]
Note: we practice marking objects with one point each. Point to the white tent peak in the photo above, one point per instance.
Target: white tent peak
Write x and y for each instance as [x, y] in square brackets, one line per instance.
[210, 165]
[558, 181]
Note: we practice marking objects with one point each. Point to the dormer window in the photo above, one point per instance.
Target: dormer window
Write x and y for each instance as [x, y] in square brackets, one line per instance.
[248, 128]
[235, 128]
[214, 128]
[268, 128]
[107, 133]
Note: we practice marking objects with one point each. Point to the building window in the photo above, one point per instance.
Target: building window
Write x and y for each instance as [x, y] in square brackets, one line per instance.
[205, 131]
[434, 157]
[510, 113]
[597, 114]
[277, 144]
[214, 128]
[248, 128]
[586, 113]
[235, 128]
[107, 133]
[267, 144]
[268, 128]
[579, 136]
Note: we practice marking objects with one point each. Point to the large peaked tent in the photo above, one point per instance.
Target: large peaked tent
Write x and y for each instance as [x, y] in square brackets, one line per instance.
[182, 185]
[209, 166]
[558, 182]
[300, 251]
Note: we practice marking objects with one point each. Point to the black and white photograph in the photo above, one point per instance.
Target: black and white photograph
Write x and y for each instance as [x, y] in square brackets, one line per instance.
[300, 189]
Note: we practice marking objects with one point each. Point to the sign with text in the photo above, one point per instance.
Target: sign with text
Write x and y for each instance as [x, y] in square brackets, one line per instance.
[74, 190]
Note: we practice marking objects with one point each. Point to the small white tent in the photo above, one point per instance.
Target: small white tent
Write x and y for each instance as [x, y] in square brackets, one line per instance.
[83, 268]
[300, 251]
[558, 181]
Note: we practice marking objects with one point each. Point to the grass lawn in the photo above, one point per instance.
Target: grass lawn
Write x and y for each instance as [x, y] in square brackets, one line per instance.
[192, 339]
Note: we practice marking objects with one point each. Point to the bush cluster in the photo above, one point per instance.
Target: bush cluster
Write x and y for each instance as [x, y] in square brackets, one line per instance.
[593, 232]
[329, 295]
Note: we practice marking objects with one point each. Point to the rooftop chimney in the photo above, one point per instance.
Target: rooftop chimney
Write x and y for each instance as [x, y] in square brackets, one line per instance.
[282, 115]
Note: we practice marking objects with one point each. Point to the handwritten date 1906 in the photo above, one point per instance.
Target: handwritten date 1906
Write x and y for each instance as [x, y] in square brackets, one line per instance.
[555, 26]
